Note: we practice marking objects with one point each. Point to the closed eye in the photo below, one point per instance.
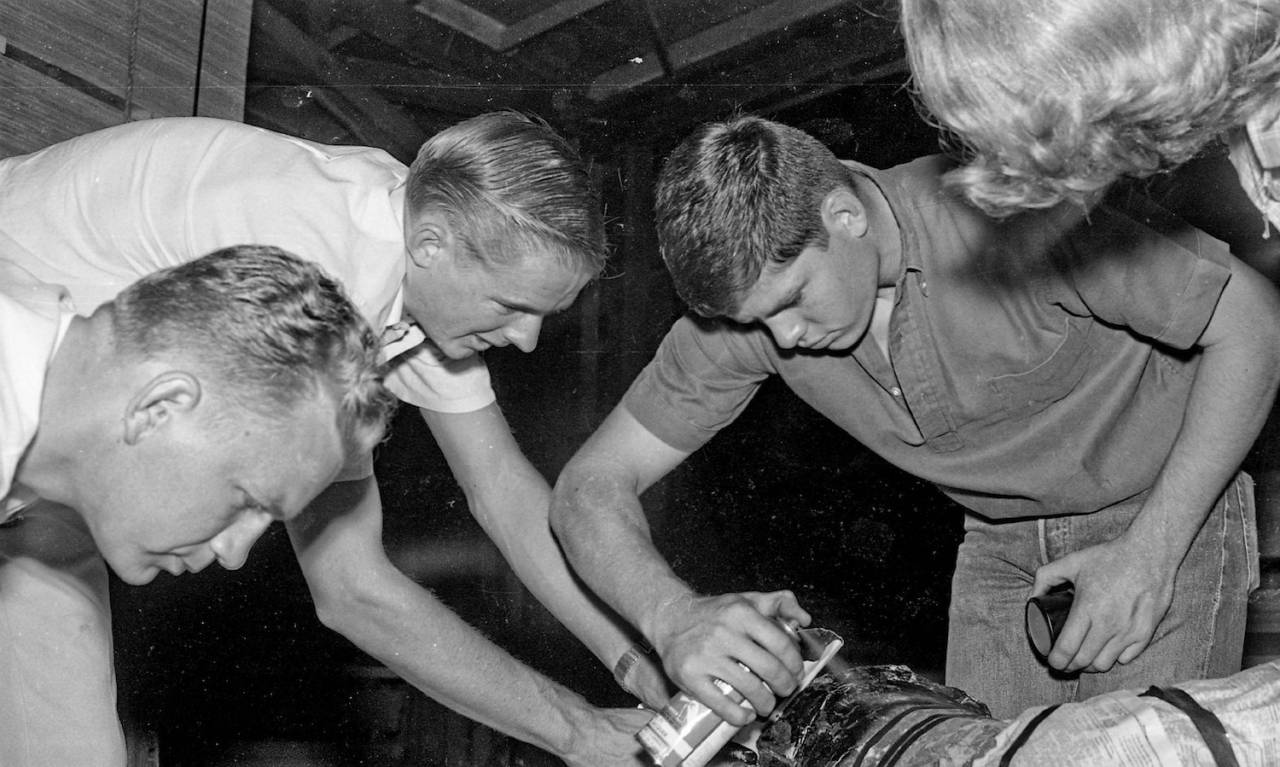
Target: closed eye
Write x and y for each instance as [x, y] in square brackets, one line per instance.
[789, 301]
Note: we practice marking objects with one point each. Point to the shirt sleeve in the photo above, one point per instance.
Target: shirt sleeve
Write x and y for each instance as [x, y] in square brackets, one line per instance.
[425, 378]
[702, 376]
[1134, 264]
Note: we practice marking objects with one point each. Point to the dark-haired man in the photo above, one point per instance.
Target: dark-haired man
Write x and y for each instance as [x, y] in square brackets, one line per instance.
[1085, 386]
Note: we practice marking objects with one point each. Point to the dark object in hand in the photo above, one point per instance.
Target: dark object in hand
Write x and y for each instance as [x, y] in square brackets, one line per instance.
[1046, 615]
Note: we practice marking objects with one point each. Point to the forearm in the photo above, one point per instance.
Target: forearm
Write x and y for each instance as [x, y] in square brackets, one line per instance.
[509, 498]
[416, 636]
[599, 521]
[360, 593]
[1234, 388]
[514, 515]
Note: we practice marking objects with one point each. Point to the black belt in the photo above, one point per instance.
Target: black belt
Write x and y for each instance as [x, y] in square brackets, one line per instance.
[1207, 724]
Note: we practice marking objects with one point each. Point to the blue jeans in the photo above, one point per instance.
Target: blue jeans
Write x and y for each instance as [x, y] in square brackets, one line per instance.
[989, 656]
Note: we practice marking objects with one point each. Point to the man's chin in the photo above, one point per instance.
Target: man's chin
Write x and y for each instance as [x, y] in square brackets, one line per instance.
[457, 351]
[137, 577]
[453, 349]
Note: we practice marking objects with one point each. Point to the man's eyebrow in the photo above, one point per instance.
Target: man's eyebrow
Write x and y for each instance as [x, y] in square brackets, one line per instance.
[271, 506]
[518, 305]
[789, 300]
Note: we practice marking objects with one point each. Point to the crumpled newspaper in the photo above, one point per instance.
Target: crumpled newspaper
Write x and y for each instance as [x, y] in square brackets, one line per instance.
[879, 715]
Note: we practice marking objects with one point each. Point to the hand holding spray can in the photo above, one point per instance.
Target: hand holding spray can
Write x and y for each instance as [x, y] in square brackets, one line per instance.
[688, 734]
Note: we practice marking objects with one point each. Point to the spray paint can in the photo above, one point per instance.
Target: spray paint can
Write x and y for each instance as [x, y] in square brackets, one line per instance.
[685, 733]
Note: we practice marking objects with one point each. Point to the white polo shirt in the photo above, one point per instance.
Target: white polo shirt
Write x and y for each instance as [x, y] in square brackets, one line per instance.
[98, 211]
[33, 319]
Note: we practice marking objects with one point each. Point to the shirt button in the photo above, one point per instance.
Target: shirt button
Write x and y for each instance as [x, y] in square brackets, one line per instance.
[895, 391]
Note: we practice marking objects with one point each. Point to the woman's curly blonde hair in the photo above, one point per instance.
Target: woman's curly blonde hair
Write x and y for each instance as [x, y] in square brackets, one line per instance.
[1054, 100]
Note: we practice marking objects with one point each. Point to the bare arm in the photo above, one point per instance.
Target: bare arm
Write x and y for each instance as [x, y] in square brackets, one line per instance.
[509, 498]
[360, 594]
[596, 514]
[1124, 588]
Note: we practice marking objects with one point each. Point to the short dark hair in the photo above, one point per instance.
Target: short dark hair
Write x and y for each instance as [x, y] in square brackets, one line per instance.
[735, 196]
[272, 329]
[511, 185]
[1052, 100]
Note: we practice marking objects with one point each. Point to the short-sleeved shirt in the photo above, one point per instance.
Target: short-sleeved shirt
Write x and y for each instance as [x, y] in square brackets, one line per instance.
[1041, 365]
[33, 319]
[98, 211]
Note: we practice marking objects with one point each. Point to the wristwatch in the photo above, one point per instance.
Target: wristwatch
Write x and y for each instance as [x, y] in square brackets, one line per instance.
[628, 661]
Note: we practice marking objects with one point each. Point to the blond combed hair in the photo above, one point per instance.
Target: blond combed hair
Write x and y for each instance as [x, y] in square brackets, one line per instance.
[511, 185]
[274, 330]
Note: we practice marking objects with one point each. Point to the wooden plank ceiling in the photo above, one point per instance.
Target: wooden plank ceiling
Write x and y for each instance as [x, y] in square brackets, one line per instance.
[391, 72]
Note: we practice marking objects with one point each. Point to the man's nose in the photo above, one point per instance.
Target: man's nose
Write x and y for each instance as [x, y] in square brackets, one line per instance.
[523, 333]
[231, 546]
[786, 333]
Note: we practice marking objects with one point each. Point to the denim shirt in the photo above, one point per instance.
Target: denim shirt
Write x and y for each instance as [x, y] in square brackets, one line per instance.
[1037, 366]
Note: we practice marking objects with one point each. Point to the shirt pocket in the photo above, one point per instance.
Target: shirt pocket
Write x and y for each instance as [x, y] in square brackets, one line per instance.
[1019, 394]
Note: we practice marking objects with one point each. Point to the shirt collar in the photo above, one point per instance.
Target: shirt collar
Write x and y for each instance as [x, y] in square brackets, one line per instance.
[910, 260]
[399, 335]
[19, 498]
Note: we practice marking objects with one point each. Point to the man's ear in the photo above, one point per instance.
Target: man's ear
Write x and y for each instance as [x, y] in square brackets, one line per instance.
[163, 397]
[842, 211]
[429, 237]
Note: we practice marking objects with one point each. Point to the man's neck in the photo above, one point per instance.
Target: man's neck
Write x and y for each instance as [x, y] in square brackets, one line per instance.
[883, 226]
[66, 408]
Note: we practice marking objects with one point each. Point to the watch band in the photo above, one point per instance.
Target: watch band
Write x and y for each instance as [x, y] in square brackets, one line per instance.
[628, 661]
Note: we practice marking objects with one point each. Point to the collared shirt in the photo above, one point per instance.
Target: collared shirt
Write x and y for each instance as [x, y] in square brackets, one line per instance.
[1039, 365]
[1255, 153]
[98, 211]
[34, 317]
[1265, 136]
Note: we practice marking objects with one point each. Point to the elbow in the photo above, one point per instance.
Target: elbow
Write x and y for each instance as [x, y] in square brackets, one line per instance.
[561, 511]
[335, 607]
[345, 602]
[573, 500]
[1268, 346]
[589, 499]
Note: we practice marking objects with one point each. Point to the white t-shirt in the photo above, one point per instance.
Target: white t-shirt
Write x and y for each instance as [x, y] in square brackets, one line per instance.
[98, 211]
[33, 318]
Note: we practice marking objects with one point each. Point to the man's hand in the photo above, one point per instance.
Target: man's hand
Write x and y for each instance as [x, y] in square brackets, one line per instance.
[608, 739]
[702, 639]
[1123, 590]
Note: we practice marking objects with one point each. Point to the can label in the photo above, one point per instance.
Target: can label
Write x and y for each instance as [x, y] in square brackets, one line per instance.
[686, 729]
[682, 725]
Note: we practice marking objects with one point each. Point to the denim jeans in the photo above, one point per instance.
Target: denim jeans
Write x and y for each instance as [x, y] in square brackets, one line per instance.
[989, 656]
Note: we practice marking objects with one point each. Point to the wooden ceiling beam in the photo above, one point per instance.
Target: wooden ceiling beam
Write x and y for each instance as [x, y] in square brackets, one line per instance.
[708, 43]
[422, 39]
[352, 101]
[496, 34]
[852, 77]
[433, 89]
[814, 67]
